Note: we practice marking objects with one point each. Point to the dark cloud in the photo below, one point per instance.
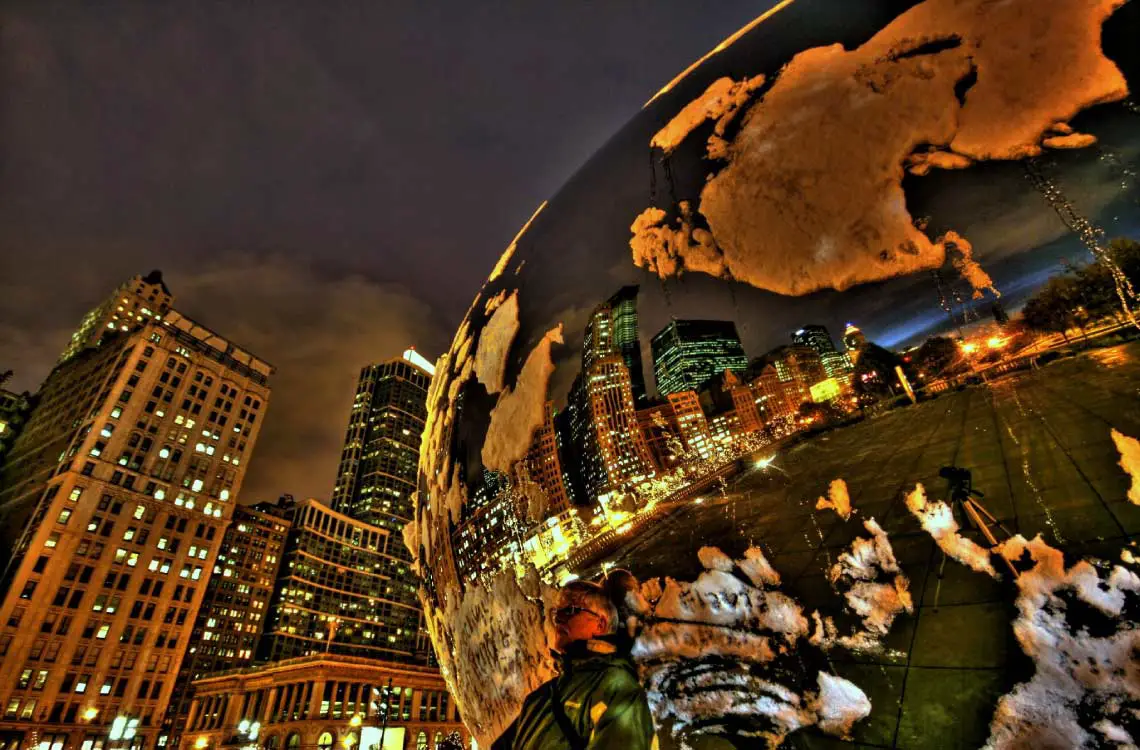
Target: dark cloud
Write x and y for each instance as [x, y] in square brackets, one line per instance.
[317, 330]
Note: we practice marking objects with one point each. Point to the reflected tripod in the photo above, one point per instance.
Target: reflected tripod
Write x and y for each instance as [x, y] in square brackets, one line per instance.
[964, 503]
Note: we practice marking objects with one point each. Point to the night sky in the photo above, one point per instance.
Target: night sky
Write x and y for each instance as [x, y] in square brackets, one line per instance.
[325, 183]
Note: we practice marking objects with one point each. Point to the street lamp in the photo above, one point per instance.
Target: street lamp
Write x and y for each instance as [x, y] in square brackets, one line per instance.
[90, 713]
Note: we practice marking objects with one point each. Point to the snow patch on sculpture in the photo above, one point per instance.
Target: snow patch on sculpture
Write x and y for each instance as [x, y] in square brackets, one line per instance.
[495, 344]
[495, 649]
[1129, 449]
[1079, 626]
[519, 411]
[937, 519]
[839, 704]
[921, 162]
[838, 499]
[720, 102]
[859, 576]
[946, 84]
[961, 253]
[667, 249]
[1073, 140]
[717, 650]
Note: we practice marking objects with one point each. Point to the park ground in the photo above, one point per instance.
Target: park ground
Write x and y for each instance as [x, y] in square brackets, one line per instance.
[1039, 447]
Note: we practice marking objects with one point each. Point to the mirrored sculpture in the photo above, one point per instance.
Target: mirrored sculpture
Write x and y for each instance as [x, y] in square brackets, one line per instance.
[833, 346]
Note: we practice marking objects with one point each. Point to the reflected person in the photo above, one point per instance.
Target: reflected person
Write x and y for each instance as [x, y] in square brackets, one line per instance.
[596, 703]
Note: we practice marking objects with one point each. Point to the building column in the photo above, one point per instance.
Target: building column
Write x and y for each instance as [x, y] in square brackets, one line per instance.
[267, 709]
[315, 701]
[233, 706]
[191, 717]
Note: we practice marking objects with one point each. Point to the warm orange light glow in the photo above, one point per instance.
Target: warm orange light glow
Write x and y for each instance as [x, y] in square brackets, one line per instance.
[89, 714]
[995, 342]
[969, 348]
[201, 743]
[721, 47]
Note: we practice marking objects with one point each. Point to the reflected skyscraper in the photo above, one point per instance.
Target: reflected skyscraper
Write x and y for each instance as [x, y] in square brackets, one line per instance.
[689, 353]
[815, 336]
[625, 339]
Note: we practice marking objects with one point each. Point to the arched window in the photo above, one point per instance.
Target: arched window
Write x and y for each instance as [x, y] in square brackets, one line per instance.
[272, 742]
[293, 742]
[325, 741]
[438, 740]
[421, 741]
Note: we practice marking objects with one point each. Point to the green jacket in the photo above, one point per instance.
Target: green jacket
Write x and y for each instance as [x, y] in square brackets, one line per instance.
[603, 701]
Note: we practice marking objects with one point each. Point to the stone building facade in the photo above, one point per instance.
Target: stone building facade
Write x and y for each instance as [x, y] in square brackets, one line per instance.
[323, 702]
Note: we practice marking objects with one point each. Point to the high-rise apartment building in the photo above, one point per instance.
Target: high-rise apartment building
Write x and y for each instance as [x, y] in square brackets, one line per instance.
[376, 481]
[585, 470]
[345, 587]
[236, 601]
[689, 353]
[119, 490]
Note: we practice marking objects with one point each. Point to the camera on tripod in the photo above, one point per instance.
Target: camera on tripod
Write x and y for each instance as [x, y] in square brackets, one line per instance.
[961, 482]
[963, 504]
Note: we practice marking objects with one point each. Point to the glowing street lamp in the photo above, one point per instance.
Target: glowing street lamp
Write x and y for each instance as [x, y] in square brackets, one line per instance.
[90, 713]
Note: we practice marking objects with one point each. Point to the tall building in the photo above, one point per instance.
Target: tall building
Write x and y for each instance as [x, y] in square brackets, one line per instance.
[626, 340]
[801, 364]
[584, 462]
[235, 604]
[376, 481]
[544, 466]
[688, 353]
[662, 434]
[345, 587]
[121, 486]
[853, 339]
[778, 400]
[692, 423]
[613, 418]
[815, 337]
[139, 299]
[748, 417]
[14, 411]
